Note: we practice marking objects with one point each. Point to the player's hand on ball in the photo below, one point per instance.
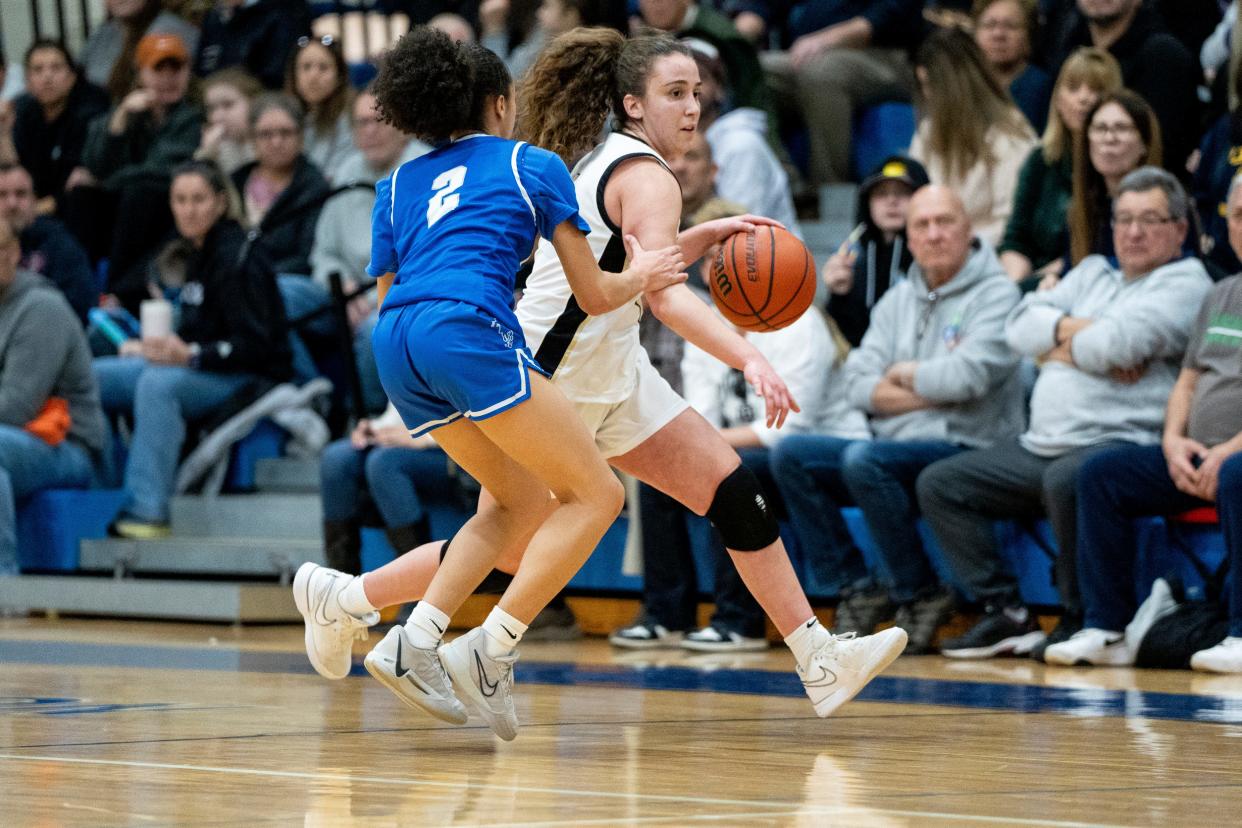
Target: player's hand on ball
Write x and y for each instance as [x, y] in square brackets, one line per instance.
[725, 227]
[657, 268]
[778, 402]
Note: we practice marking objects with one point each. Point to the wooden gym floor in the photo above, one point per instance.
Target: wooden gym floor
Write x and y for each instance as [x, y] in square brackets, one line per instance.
[152, 724]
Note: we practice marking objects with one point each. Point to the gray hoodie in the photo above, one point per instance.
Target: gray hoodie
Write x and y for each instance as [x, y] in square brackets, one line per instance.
[957, 336]
[1143, 321]
[43, 353]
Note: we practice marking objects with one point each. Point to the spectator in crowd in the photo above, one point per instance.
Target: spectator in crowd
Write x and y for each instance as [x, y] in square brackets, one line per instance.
[282, 194]
[748, 171]
[381, 463]
[51, 429]
[230, 338]
[48, 248]
[342, 235]
[280, 183]
[1036, 240]
[1198, 464]
[319, 79]
[1218, 162]
[865, 267]
[255, 35]
[844, 54]
[936, 378]
[689, 19]
[129, 153]
[52, 118]
[455, 26]
[970, 136]
[1153, 64]
[1110, 337]
[1122, 134]
[108, 58]
[552, 18]
[1004, 30]
[227, 96]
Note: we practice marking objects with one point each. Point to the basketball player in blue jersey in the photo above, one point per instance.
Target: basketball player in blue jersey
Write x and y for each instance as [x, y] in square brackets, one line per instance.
[449, 232]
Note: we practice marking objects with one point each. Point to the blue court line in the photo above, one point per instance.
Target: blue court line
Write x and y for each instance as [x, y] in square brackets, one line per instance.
[1019, 698]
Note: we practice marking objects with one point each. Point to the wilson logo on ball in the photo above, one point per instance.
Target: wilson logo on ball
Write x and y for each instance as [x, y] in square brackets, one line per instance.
[779, 281]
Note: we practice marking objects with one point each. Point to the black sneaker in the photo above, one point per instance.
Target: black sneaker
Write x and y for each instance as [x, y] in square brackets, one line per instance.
[554, 623]
[997, 633]
[861, 611]
[923, 616]
[1069, 624]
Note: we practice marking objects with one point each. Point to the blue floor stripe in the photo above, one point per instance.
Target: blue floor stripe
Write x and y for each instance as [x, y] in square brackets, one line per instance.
[1088, 702]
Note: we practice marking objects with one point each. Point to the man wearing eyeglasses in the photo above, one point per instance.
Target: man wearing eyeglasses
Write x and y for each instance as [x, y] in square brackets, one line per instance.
[1110, 337]
[1197, 463]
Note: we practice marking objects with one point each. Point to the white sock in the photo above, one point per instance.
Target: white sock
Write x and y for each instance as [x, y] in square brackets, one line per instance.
[806, 639]
[503, 632]
[426, 626]
[353, 598]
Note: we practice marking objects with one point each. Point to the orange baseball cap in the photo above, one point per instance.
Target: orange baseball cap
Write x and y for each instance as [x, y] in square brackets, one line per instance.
[156, 48]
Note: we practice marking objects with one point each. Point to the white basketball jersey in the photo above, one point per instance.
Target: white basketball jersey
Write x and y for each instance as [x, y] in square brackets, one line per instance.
[591, 358]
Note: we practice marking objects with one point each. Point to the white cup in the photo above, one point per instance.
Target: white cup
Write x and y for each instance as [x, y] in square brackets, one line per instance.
[155, 316]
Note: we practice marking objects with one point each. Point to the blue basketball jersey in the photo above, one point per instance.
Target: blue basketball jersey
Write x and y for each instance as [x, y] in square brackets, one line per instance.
[457, 222]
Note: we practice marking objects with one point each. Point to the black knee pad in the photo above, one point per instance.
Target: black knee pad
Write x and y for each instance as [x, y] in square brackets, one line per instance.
[740, 512]
[495, 583]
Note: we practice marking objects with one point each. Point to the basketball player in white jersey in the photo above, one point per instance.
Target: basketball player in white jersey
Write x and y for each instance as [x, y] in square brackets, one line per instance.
[642, 427]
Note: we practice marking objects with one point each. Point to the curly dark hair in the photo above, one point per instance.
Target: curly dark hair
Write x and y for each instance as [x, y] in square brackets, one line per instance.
[431, 87]
[425, 85]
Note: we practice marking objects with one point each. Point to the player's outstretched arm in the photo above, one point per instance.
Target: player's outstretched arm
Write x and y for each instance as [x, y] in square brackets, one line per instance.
[599, 291]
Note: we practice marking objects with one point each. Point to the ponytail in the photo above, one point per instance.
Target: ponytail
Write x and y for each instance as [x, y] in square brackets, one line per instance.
[568, 92]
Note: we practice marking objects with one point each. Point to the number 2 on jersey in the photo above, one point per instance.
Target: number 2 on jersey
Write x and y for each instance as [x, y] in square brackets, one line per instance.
[445, 198]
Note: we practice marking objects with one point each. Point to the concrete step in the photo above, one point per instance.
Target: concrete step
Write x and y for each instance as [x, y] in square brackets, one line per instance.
[838, 202]
[287, 474]
[224, 601]
[281, 516]
[248, 557]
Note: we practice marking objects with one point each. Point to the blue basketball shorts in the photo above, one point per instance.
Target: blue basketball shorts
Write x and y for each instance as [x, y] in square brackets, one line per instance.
[441, 360]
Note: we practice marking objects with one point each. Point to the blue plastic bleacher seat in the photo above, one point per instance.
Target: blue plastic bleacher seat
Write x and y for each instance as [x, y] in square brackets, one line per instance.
[50, 524]
[880, 130]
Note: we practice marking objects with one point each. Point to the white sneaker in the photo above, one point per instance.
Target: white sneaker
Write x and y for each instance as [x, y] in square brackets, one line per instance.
[330, 630]
[415, 675]
[845, 664]
[484, 681]
[1102, 648]
[1225, 657]
[715, 640]
[1157, 605]
[644, 636]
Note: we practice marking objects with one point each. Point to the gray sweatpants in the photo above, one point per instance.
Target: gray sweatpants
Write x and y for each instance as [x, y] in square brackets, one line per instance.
[961, 496]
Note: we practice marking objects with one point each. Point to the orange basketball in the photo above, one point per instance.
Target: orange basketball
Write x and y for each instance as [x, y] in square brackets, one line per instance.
[763, 281]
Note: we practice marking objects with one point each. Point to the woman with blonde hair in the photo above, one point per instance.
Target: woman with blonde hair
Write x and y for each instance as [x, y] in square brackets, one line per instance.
[971, 137]
[1121, 135]
[1035, 238]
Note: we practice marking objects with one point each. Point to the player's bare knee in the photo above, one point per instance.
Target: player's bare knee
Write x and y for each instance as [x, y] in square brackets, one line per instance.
[741, 514]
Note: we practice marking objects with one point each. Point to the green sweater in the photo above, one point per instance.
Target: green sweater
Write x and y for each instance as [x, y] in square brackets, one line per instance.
[1038, 224]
